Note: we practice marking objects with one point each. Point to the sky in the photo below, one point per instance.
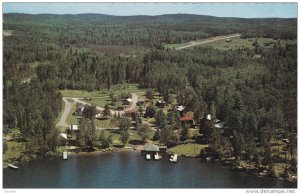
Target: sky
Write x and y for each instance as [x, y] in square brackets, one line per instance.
[243, 10]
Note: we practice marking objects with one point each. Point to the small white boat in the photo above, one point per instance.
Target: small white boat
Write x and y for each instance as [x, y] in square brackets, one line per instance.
[157, 156]
[65, 155]
[13, 166]
[148, 157]
[173, 158]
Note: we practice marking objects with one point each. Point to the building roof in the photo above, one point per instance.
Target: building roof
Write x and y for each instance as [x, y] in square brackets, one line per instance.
[129, 100]
[73, 127]
[151, 148]
[186, 118]
[180, 108]
[63, 135]
[208, 117]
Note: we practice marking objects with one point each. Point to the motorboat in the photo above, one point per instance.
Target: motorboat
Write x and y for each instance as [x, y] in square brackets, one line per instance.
[148, 157]
[65, 155]
[174, 158]
[13, 166]
[157, 156]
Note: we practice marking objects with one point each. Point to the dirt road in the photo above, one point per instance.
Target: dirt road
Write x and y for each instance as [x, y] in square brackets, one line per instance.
[207, 41]
[64, 116]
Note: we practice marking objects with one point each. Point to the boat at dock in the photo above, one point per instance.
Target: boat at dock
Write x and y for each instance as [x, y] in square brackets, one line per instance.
[148, 157]
[65, 155]
[174, 158]
[157, 156]
[13, 166]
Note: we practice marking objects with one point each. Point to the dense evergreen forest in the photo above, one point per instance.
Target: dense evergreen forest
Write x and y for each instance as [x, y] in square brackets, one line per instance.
[253, 91]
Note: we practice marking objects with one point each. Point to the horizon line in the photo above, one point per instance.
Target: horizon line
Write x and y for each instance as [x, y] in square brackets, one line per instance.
[150, 15]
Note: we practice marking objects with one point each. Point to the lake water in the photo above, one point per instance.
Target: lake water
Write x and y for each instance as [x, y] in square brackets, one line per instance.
[131, 170]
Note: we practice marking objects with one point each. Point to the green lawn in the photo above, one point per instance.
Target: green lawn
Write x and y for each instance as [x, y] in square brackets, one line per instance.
[101, 102]
[116, 136]
[104, 123]
[188, 149]
[81, 93]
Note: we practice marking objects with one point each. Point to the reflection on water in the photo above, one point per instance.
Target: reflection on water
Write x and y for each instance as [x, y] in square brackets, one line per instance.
[131, 170]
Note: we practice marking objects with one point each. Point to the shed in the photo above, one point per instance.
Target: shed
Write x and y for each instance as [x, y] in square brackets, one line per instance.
[187, 120]
[63, 138]
[160, 104]
[162, 149]
[180, 108]
[153, 149]
[208, 117]
[127, 101]
[73, 128]
[79, 110]
[219, 124]
[150, 149]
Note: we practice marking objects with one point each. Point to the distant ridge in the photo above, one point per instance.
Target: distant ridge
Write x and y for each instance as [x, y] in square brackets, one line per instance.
[173, 16]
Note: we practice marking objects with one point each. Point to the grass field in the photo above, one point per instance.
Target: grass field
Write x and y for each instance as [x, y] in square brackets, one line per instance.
[188, 149]
[116, 136]
[103, 123]
[118, 89]
[101, 102]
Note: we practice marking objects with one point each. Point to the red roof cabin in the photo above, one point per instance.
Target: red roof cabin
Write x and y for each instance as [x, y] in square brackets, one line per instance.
[187, 120]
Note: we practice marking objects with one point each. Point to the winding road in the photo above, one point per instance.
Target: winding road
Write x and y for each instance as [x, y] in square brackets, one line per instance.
[64, 116]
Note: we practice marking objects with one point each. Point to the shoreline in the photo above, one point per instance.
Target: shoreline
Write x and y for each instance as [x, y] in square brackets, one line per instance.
[233, 165]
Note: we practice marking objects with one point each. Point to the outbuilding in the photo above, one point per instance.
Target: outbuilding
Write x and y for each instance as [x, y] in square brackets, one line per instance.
[153, 149]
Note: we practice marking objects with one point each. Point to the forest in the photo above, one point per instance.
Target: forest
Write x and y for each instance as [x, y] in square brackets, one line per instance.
[253, 91]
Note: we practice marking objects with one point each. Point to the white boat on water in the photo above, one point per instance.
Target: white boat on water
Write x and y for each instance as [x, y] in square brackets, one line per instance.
[148, 157]
[13, 166]
[174, 158]
[65, 155]
[157, 156]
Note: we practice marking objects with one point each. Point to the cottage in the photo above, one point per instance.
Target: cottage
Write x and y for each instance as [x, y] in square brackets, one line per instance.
[187, 120]
[219, 124]
[63, 138]
[73, 128]
[127, 101]
[160, 104]
[180, 108]
[208, 117]
[79, 110]
[97, 113]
